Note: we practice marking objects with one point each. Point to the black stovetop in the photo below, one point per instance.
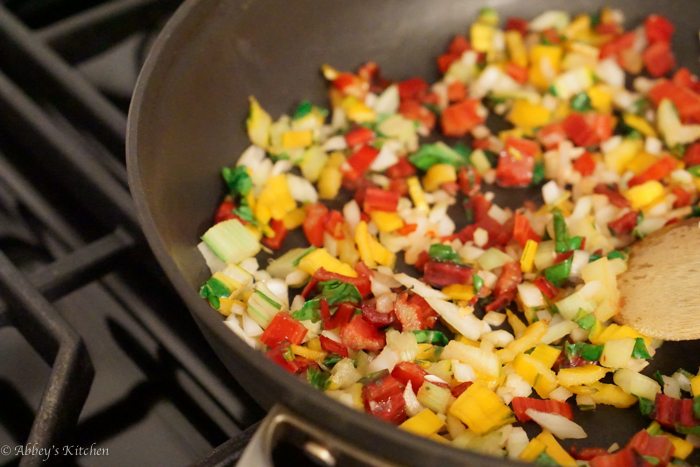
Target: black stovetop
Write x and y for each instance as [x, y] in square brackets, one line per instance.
[88, 324]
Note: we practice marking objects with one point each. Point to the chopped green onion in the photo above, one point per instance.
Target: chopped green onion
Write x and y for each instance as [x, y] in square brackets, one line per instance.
[303, 109]
[640, 350]
[331, 360]
[245, 213]
[431, 337]
[585, 320]
[581, 102]
[594, 257]
[562, 242]
[237, 180]
[586, 351]
[559, 273]
[301, 256]
[545, 460]
[436, 153]
[213, 290]
[336, 291]
[552, 90]
[537, 174]
[694, 170]
[477, 282]
[646, 406]
[440, 252]
[616, 254]
[309, 311]
[318, 378]
[463, 150]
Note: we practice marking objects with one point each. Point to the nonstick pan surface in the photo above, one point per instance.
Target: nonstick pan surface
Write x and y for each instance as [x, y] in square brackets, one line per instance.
[186, 122]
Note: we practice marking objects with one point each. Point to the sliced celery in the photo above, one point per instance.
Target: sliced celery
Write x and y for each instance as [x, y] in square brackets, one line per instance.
[231, 241]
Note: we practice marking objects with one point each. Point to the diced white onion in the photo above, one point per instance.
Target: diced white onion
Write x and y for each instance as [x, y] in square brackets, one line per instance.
[413, 407]
[558, 425]
[386, 360]
[419, 287]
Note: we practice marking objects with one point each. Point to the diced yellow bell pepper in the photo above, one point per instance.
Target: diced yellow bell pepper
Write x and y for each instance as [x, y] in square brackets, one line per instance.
[681, 448]
[545, 62]
[622, 154]
[258, 124]
[481, 409]
[695, 385]
[601, 98]
[425, 423]
[527, 259]
[555, 451]
[481, 36]
[587, 374]
[617, 331]
[533, 449]
[371, 251]
[545, 383]
[527, 367]
[416, 193]
[638, 123]
[331, 178]
[530, 338]
[515, 323]
[275, 200]
[641, 162]
[546, 354]
[440, 439]
[314, 344]
[357, 111]
[611, 394]
[526, 114]
[320, 258]
[459, 292]
[293, 139]
[225, 304]
[386, 221]
[516, 48]
[645, 194]
[426, 352]
[302, 351]
[437, 175]
[294, 219]
[579, 27]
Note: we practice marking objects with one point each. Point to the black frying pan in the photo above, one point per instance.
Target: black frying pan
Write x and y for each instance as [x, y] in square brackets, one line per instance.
[186, 122]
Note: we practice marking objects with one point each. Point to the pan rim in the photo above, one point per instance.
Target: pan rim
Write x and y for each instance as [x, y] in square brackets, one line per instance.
[364, 424]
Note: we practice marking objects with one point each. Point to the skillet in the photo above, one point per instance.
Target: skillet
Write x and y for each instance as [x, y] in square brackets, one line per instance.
[187, 121]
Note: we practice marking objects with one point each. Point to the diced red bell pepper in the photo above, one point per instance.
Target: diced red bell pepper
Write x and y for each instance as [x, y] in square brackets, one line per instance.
[281, 352]
[613, 195]
[329, 345]
[402, 169]
[659, 59]
[657, 171]
[458, 45]
[659, 447]
[617, 45]
[414, 110]
[610, 28]
[335, 224]
[362, 282]
[345, 81]
[682, 197]
[624, 224]
[359, 334]
[412, 88]
[480, 207]
[370, 313]
[551, 35]
[283, 328]
[685, 79]
[398, 186]
[516, 163]
[468, 180]
[667, 410]
[340, 318]
[551, 135]
[460, 388]
[521, 404]
[622, 458]
[439, 274]
[409, 371]
[377, 199]
[548, 289]
[522, 230]
[225, 211]
[407, 229]
[517, 72]
[313, 225]
[280, 233]
[414, 313]
[456, 91]
[585, 164]
[588, 129]
[481, 143]
[686, 101]
[517, 24]
[692, 155]
[446, 60]
[506, 285]
[687, 415]
[586, 454]
[458, 119]
[359, 162]
[358, 136]
[423, 257]
[658, 29]
[384, 399]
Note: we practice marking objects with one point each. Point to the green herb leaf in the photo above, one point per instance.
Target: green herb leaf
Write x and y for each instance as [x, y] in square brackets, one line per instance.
[585, 320]
[463, 150]
[594, 257]
[436, 153]
[318, 378]
[331, 360]
[537, 174]
[440, 252]
[616, 254]
[213, 290]
[545, 460]
[244, 212]
[581, 102]
[303, 109]
[646, 406]
[309, 311]
[640, 350]
[336, 291]
[431, 337]
[561, 234]
[237, 179]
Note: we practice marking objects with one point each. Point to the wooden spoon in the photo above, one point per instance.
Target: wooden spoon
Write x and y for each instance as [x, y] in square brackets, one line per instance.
[658, 290]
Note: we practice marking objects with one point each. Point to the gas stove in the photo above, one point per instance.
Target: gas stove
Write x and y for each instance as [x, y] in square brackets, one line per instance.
[101, 363]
